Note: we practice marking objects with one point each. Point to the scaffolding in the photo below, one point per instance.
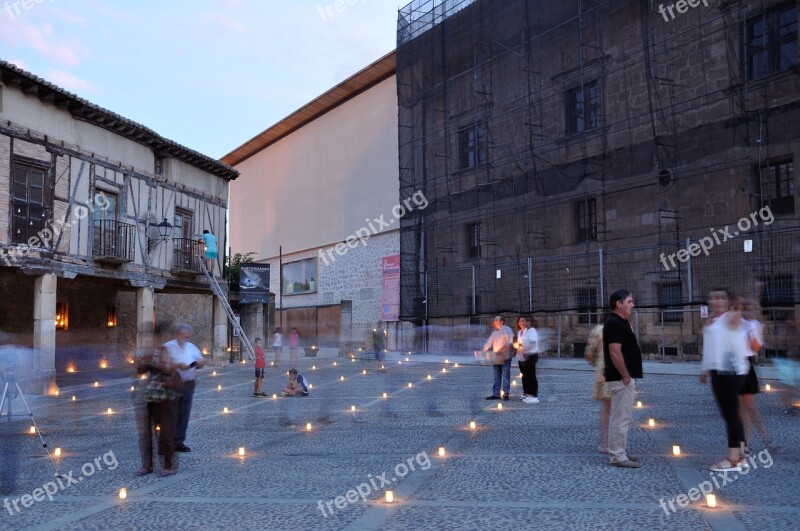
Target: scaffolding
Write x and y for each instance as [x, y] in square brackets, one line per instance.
[566, 147]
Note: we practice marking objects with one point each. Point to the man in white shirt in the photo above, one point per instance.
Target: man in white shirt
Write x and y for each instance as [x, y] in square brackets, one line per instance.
[500, 344]
[186, 358]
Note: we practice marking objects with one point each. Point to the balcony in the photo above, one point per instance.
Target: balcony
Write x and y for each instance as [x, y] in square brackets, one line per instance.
[113, 242]
[184, 256]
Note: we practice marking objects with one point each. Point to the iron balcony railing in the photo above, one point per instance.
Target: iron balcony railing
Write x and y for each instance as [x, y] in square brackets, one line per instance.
[113, 241]
[185, 253]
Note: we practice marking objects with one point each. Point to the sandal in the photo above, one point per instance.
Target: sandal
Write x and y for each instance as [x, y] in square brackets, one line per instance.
[726, 466]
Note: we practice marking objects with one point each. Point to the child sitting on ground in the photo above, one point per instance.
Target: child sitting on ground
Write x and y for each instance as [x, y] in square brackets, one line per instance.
[297, 386]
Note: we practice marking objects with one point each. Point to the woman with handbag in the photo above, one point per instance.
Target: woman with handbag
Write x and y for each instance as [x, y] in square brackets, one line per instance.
[162, 380]
[527, 346]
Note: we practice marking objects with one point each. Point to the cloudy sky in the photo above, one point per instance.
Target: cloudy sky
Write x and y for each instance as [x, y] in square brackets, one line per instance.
[209, 74]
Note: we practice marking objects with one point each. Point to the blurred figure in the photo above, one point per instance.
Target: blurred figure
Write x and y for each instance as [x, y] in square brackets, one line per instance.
[379, 342]
[789, 369]
[294, 346]
[261, 364]
[277, 345]
[210, 253]
[9, 434]
[499, 343]
[155, 408]
[753, 335]
[186, 359]
[725, 359]
[600, 392]
[527, 346]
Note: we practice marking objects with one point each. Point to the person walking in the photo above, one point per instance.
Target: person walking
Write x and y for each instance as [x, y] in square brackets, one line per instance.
[277, 345]
[527, 346]
[210, 253]
[499, 343]
[379, 342]
[725, 359]
[600, 392]
[187, 358]
[156, 407]
[294, 346]
[622, 358]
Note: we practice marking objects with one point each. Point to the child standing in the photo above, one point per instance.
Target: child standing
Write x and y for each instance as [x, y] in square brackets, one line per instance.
[261, 364]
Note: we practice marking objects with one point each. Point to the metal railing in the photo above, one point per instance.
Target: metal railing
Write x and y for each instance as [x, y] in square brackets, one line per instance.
[113, 241]
[185, 253]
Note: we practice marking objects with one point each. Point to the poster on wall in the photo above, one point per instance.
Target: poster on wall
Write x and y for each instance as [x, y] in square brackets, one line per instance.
[254, 283]
[390, 300]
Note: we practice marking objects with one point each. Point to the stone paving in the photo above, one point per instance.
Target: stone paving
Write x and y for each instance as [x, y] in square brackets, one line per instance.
[525, 467]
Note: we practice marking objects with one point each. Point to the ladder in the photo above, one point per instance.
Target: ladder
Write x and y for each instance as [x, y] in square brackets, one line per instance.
[247, 347]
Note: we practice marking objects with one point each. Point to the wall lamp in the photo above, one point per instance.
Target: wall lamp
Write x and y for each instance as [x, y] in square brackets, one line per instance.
[164, 232]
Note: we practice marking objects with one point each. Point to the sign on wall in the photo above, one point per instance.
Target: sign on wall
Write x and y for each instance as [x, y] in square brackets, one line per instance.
[390, 300]
[254, 283]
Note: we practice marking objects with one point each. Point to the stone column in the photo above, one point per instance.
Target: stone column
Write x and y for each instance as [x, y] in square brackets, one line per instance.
[219, 349]
[145, 318]
[44, 328]
[254, 324]
[345, 328]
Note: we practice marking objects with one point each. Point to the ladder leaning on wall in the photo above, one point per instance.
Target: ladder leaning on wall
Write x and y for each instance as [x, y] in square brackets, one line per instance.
[247, 347]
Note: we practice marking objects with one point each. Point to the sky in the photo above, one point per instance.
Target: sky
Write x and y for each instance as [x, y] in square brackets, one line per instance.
[209, 74]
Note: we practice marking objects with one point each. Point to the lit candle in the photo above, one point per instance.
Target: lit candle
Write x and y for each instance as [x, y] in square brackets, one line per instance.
[225, 410]
[389, 496]
[97, 384]
[444, 370]
[711, 500]
[123, 493]
[441, 451]
[500, 406]
[429, 377]
[406, 359]
[144, 377]
[158, 428]
[103, 364]
[58, 452]
[399, 362]
[513, 383]
[334, 364]
[219, 388]
[364, 371]
[56, 393]
[308, 426]
[639, 404]
[456, 365]
[769, 387]
[410, 384]
[313, 367]
[385, 395]
[676, 450]
[73, 398]
[447, 361]
[311, 386]
[472, 424]
[651, 423]
[214, 373]
[383, 367]
[32, 430]
[341, 378]
[241, 451]
[133, 388]
[274, 395]
[352, 408]
[109, 411]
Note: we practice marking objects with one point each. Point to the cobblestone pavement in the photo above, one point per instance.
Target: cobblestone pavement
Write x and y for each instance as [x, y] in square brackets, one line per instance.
[524, 467]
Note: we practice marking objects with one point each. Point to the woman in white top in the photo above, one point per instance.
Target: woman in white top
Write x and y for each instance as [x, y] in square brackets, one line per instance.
[725, 359]
[527, 346]
[277, 345]
[600, 392]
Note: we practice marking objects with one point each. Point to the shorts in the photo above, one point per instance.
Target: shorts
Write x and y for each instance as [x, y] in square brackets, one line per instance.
[259, 372]
[211, 254]
[750, 385]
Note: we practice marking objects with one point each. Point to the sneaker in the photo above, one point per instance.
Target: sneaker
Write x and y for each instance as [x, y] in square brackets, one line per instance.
[523, 397]
[727, 466]
[256, 394]
[182, 448]
[626, 464]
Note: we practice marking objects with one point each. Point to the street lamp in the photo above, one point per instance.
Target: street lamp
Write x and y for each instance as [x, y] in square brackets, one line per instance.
[164, 232]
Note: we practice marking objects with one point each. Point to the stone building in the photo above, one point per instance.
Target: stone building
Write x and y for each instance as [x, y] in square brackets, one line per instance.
[101, 230]
[314, 200]
[572, 148]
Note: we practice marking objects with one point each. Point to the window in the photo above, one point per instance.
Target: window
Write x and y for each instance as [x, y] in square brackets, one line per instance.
[472, 146]
[183, 224]
[299, 277]
[583, 108]
[29, 201]
[474, 240]
[778, 292]
[775, 184]
[771, 41]
[670, 300]
[587, 305]
[586, 220]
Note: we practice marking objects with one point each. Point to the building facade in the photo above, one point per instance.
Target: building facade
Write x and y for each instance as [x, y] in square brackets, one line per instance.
[314, 200]
[100, 236]
[572, 148]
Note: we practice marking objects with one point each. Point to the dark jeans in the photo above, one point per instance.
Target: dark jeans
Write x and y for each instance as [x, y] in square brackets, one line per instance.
[181, 409]
[726, 391]
[160, 414]
[502, 375]
[530, 385]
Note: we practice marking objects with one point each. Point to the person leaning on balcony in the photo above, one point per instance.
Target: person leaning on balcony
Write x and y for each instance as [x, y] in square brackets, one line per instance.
[210, 253]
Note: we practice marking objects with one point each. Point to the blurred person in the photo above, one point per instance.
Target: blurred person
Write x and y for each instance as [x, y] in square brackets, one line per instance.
[297, 386]
[10, 436]
[210, 253]
[499, 343]
[379, 342]
[527, 347]
[155, 408]
[277, 345]
[261, 364]
[789, 369]
[186, 358]
[725, 359]
[622, 359]
[753, 335]
[600, 392]
[294, 346]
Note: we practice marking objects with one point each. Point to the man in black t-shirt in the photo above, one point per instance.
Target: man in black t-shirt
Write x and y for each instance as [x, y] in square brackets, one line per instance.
[623, 365]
